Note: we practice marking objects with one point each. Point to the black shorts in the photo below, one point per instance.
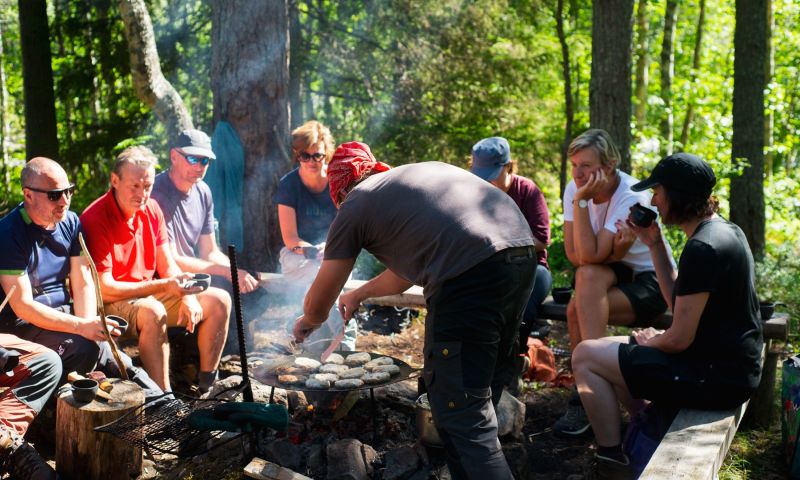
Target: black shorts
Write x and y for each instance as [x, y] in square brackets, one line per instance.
[676, 380]
[642, 291]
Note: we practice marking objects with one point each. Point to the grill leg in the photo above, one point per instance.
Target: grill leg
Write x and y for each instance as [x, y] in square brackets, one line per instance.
[374, 414]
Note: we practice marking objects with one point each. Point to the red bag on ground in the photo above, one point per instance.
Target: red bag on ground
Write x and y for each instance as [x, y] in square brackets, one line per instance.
[543, 362]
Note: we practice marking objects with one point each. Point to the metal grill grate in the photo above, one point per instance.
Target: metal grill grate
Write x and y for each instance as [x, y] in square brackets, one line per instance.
[163, 425]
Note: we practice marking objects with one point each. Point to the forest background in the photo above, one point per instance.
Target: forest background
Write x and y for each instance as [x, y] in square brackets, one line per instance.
[417, 80]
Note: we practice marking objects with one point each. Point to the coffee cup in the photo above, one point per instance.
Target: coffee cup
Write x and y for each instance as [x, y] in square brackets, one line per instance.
[121, 322]
[202, 280]
[641, 216]
[766, 309]
[310, 252]
[84, 390]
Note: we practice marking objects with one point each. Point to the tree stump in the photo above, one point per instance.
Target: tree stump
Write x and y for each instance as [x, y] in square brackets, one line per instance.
[81, 452]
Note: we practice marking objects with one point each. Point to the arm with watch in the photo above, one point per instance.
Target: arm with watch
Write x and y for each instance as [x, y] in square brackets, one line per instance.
[588, 247]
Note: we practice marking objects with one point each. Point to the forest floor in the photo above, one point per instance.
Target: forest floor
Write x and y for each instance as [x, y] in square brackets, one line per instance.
[755, 454]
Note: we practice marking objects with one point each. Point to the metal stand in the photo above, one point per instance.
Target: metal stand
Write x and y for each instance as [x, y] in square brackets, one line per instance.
[237, 305]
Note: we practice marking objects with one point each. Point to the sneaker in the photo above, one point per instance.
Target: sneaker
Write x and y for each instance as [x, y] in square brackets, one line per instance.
[19, 459]
[574, 421]
[604, 468]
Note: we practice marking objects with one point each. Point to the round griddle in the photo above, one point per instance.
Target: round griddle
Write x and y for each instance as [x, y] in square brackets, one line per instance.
[406, 371]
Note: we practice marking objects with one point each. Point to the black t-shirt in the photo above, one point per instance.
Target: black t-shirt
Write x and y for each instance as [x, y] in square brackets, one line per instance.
[717, 260]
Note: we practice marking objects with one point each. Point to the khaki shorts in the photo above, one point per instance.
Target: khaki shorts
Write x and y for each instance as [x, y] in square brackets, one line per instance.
[129, 310]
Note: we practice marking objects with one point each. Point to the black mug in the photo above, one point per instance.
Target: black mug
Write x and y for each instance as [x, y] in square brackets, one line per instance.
[641, 216]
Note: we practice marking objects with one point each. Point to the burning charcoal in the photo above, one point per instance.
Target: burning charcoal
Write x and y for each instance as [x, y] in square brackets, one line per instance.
[349, 383]
[356, 359]
[390, 369]
[334, 358]
[353, 373]
[375, 378]
[333, 368]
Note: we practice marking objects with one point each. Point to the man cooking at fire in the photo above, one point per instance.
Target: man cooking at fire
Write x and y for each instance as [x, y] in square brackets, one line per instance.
[467, 244]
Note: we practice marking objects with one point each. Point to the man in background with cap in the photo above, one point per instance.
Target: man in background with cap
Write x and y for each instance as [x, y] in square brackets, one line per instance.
[709, 357]
[127, 238]
[615, 280]
[491, 161]
[188, 207]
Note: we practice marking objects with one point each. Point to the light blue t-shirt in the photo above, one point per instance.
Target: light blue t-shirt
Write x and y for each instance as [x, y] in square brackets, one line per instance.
[187, 215]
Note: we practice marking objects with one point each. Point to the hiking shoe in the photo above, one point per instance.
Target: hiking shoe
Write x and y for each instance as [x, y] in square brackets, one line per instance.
[19, 459]
[574, 421]
[604, 468]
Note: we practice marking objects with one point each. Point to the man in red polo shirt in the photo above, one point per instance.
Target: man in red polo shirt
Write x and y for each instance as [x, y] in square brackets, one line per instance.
[127, 238]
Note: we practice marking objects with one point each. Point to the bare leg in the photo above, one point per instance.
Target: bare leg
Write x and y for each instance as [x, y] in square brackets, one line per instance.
[598, 376]
[213, 330]
[151, 322]
[597, 299]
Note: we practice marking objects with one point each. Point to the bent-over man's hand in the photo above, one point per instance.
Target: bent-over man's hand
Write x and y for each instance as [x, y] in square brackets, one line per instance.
[190, 312]
[302, 329]
[349, 304]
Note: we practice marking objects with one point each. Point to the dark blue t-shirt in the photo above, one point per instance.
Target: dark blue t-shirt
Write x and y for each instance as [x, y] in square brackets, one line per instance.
[44, 255]
[314, 211]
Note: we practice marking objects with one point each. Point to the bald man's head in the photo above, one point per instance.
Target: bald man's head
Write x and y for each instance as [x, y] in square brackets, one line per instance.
[39, 166]
[46, 191]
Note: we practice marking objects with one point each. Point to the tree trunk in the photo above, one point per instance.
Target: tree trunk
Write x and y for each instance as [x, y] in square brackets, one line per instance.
[769, 72]
[698, 45]
[296, 65]
[250, 81]
[610, 85]
[149, 83]
[667, 73]
[642, 63]
[4, 174]
[568, 107]
[747, 189]
[41, 136]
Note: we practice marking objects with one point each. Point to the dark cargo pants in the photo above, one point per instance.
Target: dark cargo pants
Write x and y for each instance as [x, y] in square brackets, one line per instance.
[470, 346]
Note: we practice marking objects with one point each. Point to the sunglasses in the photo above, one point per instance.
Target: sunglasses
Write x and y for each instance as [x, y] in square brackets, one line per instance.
[307, 157]
[55, 195]
[194, 160]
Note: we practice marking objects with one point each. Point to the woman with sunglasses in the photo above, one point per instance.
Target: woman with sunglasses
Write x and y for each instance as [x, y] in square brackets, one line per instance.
[305, 208]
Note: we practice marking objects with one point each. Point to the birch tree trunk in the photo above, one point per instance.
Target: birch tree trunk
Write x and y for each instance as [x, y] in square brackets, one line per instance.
[747, 189]
[667, 73]
[610, 85]
[250, 81]
[148, 81]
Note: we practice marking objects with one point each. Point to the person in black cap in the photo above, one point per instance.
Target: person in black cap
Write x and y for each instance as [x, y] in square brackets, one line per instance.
[709, 357]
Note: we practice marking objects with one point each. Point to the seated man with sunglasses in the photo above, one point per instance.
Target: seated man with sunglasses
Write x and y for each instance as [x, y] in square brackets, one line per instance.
[188, 207]
[41, 253]
[127, 238]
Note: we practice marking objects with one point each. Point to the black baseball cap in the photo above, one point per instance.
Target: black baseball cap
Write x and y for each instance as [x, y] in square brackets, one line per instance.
[682, 172]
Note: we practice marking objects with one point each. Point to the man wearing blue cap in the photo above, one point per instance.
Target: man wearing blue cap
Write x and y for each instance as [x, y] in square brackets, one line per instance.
[491, 161]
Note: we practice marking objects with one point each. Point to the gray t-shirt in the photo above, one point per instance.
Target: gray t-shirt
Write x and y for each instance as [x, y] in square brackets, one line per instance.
[427, 222]
[187, 215]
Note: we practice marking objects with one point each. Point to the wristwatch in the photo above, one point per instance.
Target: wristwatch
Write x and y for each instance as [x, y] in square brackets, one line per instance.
[582, 203]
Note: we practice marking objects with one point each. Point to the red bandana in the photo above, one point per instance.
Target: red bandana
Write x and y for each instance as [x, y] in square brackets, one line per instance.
[350, 162]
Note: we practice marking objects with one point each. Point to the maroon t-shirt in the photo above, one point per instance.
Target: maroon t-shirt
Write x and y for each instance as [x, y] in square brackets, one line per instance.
[530, 201]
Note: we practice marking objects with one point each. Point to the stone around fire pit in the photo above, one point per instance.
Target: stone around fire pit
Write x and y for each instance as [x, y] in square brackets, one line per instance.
[400, 463]
[346, 460]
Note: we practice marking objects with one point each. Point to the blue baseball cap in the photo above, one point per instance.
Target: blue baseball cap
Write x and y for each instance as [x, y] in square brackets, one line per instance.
[489, 156]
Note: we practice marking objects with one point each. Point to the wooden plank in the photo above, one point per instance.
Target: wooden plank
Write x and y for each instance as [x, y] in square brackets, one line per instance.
[695, 445]
[264, 470]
